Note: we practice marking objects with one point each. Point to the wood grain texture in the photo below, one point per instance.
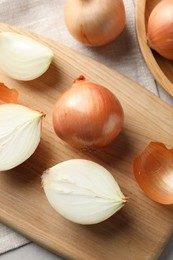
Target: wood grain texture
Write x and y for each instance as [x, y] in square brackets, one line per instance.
[138, 231]
[161, 68]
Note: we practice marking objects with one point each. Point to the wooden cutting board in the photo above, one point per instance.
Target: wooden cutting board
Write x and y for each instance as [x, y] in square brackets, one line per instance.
[138, 231]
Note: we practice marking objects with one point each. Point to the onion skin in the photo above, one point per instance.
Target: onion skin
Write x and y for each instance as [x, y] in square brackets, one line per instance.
[153, 172]
[95, 22]
[160, 29]
[8, 95]
[87, 116]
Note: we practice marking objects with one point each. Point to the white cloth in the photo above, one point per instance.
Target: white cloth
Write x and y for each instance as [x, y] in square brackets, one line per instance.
[46, 18]
[9, 239]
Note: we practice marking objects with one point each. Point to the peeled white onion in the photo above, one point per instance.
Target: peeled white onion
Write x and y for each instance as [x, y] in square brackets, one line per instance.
[82, 191]
[23, 58]
[20, 133]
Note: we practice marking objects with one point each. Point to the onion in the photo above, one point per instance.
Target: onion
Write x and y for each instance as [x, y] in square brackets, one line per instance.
[23, 58]
[95, 22]
[72, 189]
[153, 172]
[160, 29]
[20, 134]
[87, 115]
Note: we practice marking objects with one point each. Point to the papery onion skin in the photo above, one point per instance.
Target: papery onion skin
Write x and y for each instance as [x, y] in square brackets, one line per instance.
[8, 95]
[95, 22]
[160, 29]
[88, 115]
[153, 170]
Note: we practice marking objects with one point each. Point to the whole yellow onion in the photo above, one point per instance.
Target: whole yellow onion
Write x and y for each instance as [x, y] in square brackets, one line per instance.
[160, 29]
[87, 116]
[95, 22]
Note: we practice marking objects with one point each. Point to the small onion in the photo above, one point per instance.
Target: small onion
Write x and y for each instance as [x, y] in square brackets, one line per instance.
[160, 29]
[95, 22]
[154, 174]
[88, 115]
